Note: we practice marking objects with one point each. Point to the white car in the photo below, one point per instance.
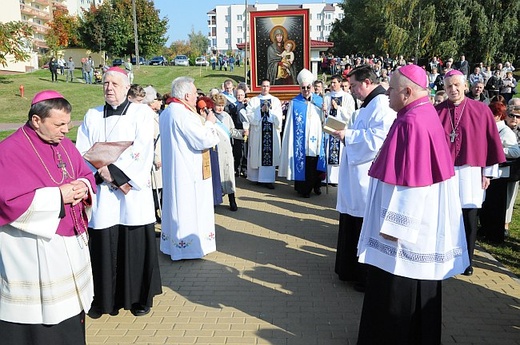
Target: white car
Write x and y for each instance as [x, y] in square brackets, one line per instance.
[181, 60]
[201, 61]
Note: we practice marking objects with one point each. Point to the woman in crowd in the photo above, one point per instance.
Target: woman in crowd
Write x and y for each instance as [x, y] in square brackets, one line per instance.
[493, 212]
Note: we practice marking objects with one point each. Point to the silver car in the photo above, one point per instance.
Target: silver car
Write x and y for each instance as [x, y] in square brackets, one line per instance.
[201, 61]
[181, 60]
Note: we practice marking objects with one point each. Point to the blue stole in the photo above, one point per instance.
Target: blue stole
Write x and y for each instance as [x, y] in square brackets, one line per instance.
[230, 97]
[222, 125]
[299, 117]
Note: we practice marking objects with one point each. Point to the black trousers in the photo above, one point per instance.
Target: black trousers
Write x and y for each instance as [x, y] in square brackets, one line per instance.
[312, 177]
[400, 311]
[470, 216]
[70, 331]
[125, 267]
[347, 266]
[493, 211]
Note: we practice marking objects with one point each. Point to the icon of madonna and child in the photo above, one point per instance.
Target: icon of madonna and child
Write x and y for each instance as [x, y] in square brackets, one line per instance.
[280, 58]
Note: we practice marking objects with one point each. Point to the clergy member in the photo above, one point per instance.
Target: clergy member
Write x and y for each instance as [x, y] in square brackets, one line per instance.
[476, 150]
[188, 223]
[411, 236]
[45, 198]
[264, 114]
[341, 105]
[361, 142]
[303, 154]
[122, 233]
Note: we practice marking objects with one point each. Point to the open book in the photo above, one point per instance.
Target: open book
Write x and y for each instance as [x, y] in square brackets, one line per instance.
[333, 124]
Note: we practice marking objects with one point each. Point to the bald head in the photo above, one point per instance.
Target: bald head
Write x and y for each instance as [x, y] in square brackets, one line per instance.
[403, 91]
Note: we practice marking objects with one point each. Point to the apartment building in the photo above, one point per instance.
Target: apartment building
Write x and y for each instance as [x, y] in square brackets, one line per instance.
[227, 23]
[37, 13]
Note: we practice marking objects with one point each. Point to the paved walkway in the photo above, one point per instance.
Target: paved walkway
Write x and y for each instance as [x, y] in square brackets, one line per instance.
[14, 126]
[272, 281]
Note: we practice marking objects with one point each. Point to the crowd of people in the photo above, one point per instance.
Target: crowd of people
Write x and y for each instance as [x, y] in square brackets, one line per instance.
[418, 165]
[90, 74]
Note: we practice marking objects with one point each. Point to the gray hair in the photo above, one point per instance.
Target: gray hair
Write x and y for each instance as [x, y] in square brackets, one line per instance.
[181, 86]
[151, 95]
[122, 76]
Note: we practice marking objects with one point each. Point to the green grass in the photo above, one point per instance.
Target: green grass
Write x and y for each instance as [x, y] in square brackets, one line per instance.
[13, 109]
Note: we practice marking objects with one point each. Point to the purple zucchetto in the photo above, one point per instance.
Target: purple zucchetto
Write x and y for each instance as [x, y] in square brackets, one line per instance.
[118, 70]
[452, 73]
[45, 95]
[415, 74]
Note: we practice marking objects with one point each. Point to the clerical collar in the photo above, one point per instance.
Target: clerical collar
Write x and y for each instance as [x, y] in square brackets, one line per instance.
[119, 110]
[379, 90]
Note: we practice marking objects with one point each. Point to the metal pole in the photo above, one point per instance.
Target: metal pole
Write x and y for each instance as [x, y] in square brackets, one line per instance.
[246, 43]
[136, 40]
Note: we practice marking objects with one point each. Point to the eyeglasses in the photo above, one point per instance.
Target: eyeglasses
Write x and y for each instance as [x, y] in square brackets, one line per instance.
[513, 116]
[308, 87]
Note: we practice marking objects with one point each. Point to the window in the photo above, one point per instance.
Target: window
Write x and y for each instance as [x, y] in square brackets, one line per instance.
[318, 28]
[329, 16]
[239, 17]
[239, 40]
[239, 29]
[226, 18]
[318, 16]
[227, 41]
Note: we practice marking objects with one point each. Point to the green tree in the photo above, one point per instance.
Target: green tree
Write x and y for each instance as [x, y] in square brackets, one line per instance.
[63, 31]
[198, 43]
[483, 30]
[110, 28]
[15, 38]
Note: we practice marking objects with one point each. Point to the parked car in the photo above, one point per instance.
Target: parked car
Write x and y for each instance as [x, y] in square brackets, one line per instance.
[201, 61]
[158, 60]
[141, 60]
[181, 60]
[117, 62]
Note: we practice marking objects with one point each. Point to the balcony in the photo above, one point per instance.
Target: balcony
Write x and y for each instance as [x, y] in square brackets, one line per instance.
[33, 12]
[38, 28]
[41, 2]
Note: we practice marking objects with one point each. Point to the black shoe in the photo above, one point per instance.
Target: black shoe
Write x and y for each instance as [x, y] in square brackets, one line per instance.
[114, 312]
[140, 310]
[233, 206]
[317, 190]
[359, 287]
[269, 185]
[468, 271]
[94, 313]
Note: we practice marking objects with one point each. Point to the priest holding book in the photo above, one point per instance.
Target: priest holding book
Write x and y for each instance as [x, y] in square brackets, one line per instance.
[122, 233]
[361, 142]
[303, 154]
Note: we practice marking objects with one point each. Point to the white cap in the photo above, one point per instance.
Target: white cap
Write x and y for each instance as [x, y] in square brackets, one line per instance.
[305, 76]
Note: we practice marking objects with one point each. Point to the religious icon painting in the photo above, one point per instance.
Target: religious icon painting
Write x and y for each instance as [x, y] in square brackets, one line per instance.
[280, 48]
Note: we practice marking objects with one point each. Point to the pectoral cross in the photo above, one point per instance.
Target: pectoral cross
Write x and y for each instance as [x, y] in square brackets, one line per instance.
[453, 135]
[62, 166]
[313, 139]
